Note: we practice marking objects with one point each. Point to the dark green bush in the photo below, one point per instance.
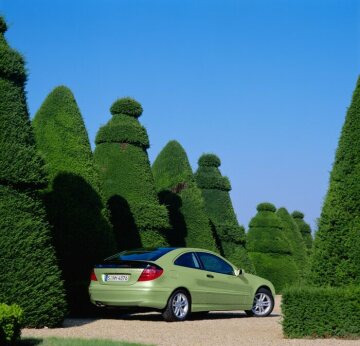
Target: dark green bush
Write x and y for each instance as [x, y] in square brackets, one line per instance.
[304, 229]
[128, 185]
[29, 273]
[177, 190]
[268, 248]
[321, 312]
[215, 191]
[333, 262]
[81, 233]
[296, 241]
[11, 318]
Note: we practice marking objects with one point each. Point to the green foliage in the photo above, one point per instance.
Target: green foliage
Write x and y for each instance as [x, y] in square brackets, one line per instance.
[73, 342]
[215, 191]
[269, 250]
[177, 190]
[296, 241]
[332, 261]
[304, 228]
[11, 318]
[128, 186]
[81, 233]
[29, 274]
[321, 312]
[127, 106]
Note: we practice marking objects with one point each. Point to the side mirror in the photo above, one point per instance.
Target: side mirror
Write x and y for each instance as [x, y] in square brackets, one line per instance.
[239, 272]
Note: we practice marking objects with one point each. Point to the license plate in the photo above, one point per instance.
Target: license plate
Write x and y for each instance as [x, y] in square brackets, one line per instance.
[116, 277]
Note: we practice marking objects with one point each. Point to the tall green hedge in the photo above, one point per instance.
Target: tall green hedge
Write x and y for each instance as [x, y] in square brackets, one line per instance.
[304, 228]
[29, 273]
[268, 248]
[321, 312]
[175, 183]
[296, 241]
[82, 234]
[334, 260]
[127, 182]
[215, 191]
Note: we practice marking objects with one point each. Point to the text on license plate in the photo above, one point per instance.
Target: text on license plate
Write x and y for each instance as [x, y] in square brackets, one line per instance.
[116, 277]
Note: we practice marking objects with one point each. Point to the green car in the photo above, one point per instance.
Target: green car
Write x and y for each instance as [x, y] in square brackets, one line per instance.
[177, 282]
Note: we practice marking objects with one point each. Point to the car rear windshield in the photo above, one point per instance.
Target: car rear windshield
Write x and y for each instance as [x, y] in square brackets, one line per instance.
[140, 255]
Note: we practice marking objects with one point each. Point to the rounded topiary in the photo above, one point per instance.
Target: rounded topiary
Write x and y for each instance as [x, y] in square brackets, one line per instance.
[177, 189]
[74, 205]
[304, 228]
[29, 273]
[297, 215]
[209, 160]
[127, 106]
[215, 191]
[3, 26]
[268, 248]
[266, 207]
[138, 218]
[335, 242]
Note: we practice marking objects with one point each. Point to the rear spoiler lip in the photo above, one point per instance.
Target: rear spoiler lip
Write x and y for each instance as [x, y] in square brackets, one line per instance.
[126, 264]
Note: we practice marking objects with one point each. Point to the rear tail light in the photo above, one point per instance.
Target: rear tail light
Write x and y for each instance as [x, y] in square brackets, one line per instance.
[93, 276]
[150, 273]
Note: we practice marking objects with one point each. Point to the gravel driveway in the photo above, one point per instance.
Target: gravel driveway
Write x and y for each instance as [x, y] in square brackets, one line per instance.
[218, 328]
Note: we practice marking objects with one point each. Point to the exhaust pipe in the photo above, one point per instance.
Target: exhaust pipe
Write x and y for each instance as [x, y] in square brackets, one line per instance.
[99, 304]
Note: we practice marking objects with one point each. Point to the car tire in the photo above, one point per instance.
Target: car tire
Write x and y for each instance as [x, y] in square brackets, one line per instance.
[178, 307]
[263, 303]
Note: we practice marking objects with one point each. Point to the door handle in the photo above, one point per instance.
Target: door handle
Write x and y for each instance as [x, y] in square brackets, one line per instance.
[210, 276]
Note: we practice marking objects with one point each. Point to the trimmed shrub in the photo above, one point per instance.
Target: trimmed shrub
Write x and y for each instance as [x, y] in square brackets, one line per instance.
[215, 191]
[81, 233]
[29, 274]
[304, 229]
[177, 190]
[296, 241]
[321, 312]
[127, 182]
[11, 318]
[268, 248]
[333, 260]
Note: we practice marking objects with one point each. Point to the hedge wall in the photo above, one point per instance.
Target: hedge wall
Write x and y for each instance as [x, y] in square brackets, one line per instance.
[333, 260]
[321, 312]
[29, 273]
[128, 185]
[11, 318]
[177, 190]
[81, 232]
[215, 191]
[268, 248]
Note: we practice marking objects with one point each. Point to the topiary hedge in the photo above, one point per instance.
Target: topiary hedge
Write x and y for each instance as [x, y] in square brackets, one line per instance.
[304, 229]
[128, 185]
[75, 209]
[29, 273]
[215, 191]
[11, 318]
[268, 248]
[321, 312]
[177, 190]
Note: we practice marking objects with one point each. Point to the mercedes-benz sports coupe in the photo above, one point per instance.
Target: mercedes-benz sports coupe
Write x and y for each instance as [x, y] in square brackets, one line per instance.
[178, 281]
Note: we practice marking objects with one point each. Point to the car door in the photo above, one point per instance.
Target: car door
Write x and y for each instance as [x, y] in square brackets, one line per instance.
[224, 289]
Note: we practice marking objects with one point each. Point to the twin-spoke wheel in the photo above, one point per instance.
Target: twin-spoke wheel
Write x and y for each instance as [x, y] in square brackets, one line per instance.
[178, 307]
[263, 304]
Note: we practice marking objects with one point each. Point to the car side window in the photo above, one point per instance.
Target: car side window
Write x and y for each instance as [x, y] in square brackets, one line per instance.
[215, 264]
[188, 260]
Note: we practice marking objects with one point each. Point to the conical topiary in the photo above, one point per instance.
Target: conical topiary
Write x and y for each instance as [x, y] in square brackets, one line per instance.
[215, 191]
[269, 249]
[29, 274]
[82, 235]
[304, 228]
[127, 182]
[296, 241]
[177, 189]
[334, 260]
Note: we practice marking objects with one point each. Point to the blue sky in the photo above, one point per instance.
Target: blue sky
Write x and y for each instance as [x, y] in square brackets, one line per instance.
[263, 84]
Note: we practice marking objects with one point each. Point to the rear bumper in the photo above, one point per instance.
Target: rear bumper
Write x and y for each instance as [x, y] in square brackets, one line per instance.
[149, 297]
